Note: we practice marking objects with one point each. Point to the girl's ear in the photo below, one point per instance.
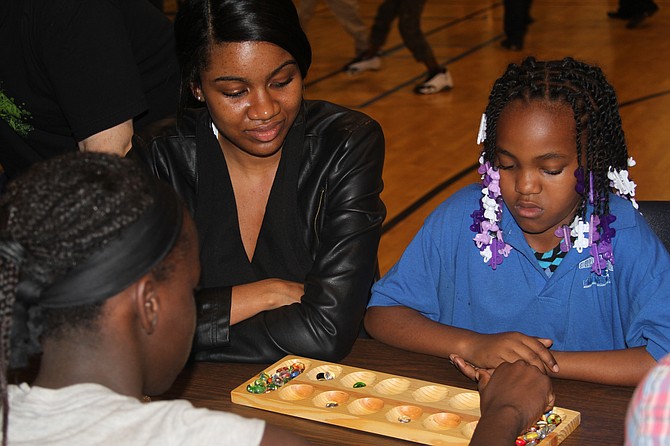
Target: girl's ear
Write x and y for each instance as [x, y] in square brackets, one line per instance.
[147, 304]
[197, 92]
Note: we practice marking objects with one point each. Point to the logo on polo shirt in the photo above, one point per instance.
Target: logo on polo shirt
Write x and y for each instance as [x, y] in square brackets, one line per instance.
[593, 278]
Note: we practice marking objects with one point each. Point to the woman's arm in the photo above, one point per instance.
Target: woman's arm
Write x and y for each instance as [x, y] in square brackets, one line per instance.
[252, 298]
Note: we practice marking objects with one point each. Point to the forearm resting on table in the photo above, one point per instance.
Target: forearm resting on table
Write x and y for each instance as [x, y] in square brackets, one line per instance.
[499, 429]
[406, 328]
[116, 140]
[252, 298]
[614, 367]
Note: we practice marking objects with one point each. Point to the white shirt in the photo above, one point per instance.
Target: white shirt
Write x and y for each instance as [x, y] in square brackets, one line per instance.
[91, 414]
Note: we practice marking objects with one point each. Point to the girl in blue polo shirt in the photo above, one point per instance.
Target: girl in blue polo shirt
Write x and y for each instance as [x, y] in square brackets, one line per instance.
[548, 259]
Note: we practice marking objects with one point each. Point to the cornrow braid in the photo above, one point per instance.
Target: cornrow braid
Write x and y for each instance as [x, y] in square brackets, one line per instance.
[52, 218]
[599, 139]
[599, 132]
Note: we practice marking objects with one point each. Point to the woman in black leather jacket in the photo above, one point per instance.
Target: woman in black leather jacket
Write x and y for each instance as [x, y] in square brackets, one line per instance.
[285, 192]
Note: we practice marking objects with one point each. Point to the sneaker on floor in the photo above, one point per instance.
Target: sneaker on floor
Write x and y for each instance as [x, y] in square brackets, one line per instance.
[360, 64]
[640, 17]
[620, 14]
[511, 45]
[435, 84]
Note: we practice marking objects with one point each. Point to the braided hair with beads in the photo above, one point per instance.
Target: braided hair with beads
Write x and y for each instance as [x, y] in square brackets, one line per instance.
[601, 150]
[54, 220]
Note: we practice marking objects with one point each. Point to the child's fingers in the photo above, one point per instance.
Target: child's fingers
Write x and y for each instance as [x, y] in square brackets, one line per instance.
[464, 367]
[551, 400]
[534, 359]
[546, 356]
[535, 354]
[483, 376]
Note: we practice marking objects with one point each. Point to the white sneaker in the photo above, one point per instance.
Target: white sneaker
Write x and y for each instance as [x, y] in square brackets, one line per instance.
[435, 84]
[359, 65]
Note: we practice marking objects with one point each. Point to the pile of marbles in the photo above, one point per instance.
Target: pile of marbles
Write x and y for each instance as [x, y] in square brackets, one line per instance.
[267, 383]
[539, 430]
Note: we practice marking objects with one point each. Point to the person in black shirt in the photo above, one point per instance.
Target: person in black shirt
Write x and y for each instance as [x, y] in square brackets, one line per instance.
[81, 74]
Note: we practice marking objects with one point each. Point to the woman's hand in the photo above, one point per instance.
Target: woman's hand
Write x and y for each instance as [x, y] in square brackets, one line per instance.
[490, 350]
[252, 298]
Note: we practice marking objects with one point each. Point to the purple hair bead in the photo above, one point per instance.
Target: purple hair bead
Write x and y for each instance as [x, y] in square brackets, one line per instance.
[579, 174]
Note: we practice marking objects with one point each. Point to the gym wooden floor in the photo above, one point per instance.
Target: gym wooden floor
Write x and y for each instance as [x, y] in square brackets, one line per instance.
[430, 140]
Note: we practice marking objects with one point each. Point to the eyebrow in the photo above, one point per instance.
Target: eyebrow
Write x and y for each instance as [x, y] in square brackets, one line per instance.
[544, 157]
[242, 79]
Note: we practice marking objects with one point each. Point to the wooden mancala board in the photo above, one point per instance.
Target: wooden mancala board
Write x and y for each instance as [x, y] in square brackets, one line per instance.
[391, 405]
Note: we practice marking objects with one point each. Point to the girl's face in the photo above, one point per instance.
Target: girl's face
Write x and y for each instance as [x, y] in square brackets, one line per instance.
[536, 156]
[253, 91]
[177, 318]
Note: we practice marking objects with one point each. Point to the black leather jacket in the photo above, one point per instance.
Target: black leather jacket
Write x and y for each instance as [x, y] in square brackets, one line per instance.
[339, 205]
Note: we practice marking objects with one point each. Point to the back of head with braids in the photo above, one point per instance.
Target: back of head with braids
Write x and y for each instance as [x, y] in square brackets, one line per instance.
[601, 147]
[52, 219]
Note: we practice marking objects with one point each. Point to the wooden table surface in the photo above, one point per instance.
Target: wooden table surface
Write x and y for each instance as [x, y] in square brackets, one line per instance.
[603, 408]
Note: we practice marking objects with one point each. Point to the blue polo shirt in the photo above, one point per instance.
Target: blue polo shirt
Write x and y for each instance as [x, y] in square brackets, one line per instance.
[442, 275]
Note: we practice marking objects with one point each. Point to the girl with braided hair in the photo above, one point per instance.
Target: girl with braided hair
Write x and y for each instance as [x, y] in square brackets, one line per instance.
[98, 262]
[547, 260]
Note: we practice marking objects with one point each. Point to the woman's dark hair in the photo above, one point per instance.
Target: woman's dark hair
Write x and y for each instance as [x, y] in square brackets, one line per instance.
[53, 218]
[202, 23]
[599, 134]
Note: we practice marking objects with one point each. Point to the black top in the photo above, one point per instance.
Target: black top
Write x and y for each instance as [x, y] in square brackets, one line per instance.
[280, 252]
[72, 68]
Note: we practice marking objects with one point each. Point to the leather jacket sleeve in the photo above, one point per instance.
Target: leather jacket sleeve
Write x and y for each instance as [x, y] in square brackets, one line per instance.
[171, 155]
[346, 215]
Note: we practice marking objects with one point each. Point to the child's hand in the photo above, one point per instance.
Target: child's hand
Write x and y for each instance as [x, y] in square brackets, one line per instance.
[538, 390]
[490, 350]
[469, 370]
[518, 385]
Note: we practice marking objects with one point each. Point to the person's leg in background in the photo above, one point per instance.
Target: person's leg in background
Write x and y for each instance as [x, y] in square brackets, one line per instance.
[347, 13]
[408, 13]
[409, 25]
[369, 59]
[624, 11]
[386, 14]
[515, 23]
[642, 10]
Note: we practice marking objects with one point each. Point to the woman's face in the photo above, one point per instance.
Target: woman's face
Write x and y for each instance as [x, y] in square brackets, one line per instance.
[253, 91]
[536, 155]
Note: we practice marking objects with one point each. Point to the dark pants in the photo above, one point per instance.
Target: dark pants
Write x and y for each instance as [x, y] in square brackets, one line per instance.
[408, 13]
[3, 182]
[157, 3]
[629, 8]
[517, 18]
